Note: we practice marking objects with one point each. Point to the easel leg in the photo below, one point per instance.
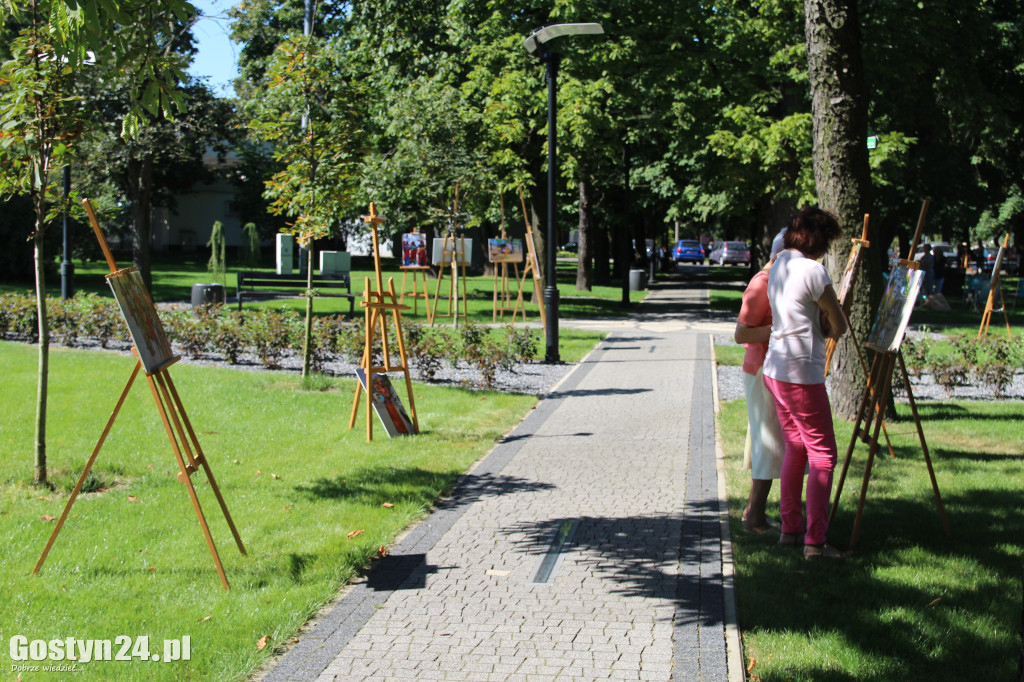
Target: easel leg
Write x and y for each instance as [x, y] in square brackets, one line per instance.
[88, 466]
[861, 412]
[405, 365]
[881, 400]
[201, 458]
[924, 448]
[165, 407]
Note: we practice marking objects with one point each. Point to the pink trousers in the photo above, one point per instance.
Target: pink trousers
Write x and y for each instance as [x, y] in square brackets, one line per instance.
[805, 416]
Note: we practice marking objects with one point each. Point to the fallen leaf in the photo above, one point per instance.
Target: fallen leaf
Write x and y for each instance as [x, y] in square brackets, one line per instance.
[152, 568]
[355, 533]
[212, 433]
[287, 507]
[263, 642]
[203, 620]
[258, 472]
[149, 466]
[235, 461]
[934, 602]
[47, 517]
[388, 505]
[274, 476]
[3, 511]
[132, 498]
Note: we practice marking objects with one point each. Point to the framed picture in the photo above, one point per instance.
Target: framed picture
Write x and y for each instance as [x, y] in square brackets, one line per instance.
[505, 250]
[414, 250]
[140, 315]
[386, 405]
[846, 283]
[895, 309]
[462, 246]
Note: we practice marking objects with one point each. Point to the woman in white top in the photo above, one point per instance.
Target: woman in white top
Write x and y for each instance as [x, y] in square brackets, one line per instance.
[805, 312]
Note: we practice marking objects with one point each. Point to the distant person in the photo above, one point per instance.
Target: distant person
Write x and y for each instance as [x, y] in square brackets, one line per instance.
[765, 448]
[805, 311]
[979, 258]
[927, 266]
[939, 270]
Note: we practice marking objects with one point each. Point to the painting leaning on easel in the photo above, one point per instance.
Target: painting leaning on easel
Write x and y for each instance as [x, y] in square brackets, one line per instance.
[895, 309]
[387, 405]
[143, 322]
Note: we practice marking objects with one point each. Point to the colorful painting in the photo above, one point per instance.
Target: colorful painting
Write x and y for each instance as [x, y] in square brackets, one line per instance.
[505, 250]
[895, 309]
[387, 405]
[846, 283]
[462, 246]
[143, 322]
[414, 250]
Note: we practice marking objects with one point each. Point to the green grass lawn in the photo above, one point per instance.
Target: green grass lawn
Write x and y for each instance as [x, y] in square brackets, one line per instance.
[173, 278]
[131, 560]
[911, 604]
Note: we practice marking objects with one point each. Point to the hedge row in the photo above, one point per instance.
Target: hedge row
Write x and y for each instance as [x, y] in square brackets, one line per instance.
[991, 361]
[271, 335]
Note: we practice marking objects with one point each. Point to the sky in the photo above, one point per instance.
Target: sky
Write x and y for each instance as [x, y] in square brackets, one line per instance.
[218, 56]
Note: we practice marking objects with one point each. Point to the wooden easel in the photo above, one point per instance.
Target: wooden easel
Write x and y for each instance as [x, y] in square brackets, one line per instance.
[993, 287]
[502, 296]
[419, 273]
[376, 304]
[450, 258]
[873, 405]
[845, 303]
[532, 266]
[179, 430]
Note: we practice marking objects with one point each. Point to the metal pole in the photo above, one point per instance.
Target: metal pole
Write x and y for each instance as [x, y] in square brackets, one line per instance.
[551, 289]
[67, 268]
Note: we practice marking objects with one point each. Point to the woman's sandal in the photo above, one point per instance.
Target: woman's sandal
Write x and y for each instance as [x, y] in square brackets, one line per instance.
[825, 551]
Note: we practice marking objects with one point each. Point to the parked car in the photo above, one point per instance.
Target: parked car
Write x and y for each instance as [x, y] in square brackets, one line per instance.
[688, 251]
[571, 247]
[730, 253]
[1010, 262]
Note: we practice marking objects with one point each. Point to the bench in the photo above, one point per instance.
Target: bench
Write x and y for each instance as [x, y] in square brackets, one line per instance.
[272, 285]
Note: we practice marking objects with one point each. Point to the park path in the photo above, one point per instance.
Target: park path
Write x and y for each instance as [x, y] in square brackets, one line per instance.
[591, 543]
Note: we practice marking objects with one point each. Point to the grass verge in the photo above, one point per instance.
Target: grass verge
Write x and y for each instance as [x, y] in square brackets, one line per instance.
[911, 603]
[299, 484]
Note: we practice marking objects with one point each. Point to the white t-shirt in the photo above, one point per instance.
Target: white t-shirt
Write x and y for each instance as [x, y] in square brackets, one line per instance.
[796, 349]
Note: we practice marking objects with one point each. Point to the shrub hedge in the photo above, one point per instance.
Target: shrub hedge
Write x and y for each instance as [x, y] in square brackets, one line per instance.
[271, 335]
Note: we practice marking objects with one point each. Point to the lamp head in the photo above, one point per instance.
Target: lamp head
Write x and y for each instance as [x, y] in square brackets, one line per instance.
[548, 33]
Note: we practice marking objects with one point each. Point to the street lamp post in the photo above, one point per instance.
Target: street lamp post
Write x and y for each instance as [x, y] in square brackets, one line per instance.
[539, 39]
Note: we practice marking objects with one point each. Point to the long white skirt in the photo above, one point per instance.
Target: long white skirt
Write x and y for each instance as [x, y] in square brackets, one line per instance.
[764, 449]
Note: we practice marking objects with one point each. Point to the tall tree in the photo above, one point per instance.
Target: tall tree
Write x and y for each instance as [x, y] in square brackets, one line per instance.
[43, 117]
[310, 114]
[841, 171]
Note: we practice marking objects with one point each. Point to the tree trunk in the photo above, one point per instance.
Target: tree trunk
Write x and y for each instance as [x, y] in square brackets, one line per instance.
[841, 172]
[585, 240]
[40, 478]
[140, 194]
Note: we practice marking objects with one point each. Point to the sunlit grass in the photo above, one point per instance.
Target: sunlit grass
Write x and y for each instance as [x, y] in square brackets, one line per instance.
[131, 559]
[911, 603]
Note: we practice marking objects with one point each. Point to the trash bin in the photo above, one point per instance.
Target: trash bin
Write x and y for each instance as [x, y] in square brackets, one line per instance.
[207, 294]
[637, 280]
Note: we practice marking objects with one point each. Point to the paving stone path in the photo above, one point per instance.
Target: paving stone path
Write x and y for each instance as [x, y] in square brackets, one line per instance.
[587, 545]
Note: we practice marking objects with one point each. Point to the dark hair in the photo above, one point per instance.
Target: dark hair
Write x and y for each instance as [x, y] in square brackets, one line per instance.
[811, 232]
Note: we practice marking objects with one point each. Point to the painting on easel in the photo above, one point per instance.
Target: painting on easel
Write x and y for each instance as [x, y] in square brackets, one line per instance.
[846, 283]
[462, 247]
[895, 309]
[387, 405]
[414, 250]
[505, 250]
[143, 322]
